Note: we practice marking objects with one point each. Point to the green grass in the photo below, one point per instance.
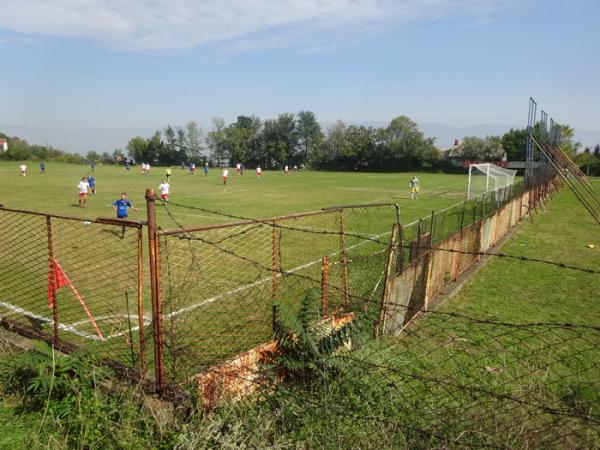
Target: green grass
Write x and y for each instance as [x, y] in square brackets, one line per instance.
[102, 266]
[500, 365]
[488, 370]
[246, 196]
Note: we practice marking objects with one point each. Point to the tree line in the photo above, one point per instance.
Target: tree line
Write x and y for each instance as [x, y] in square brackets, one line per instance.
[292, 139]
[299, 139]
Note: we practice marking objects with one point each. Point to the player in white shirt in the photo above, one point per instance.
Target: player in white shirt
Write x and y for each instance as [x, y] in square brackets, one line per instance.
[225, 175]
[165, 189]
[23, 169]
[286, 170]
[238, 168]
[258, 172]
[83, 192]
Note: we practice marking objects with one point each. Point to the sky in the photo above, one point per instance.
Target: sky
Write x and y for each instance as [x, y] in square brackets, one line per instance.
[89, 69]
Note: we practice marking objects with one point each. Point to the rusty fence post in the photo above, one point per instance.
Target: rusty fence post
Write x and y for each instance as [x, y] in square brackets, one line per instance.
[52, 280]
[390, 274]
[325, 286]
[154, 252]
[275, 259]
[344, 260]
[140, 303]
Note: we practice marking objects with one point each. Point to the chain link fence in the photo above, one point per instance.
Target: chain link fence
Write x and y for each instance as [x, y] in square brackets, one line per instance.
[220, 282]
[74, 283]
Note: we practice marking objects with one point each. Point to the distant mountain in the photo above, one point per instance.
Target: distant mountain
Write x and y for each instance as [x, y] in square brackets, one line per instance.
[106, 140]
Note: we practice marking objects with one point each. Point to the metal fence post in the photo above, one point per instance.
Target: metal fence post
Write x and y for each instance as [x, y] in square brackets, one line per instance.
[325, 286]
[343, 260]
[140, 303]
[52, 279]
[275, 260]
[154, 252]
[390, 274]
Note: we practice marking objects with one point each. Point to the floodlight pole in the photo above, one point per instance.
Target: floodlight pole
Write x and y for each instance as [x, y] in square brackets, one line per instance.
[487, 177]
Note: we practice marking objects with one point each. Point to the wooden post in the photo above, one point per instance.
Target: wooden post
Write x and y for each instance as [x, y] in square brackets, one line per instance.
[154, 252]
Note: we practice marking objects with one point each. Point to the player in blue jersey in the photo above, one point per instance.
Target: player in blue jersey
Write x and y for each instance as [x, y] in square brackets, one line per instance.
[120, 206]
[92, 183]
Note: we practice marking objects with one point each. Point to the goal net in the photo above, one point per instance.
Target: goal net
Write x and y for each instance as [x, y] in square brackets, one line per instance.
[488, 177]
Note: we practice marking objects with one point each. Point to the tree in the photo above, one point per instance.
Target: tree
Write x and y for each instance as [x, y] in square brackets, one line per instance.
[118, 155]
[169, 151]
[216, 140]
[280, 141]
[567, 145]
[310, 135]
[407, 147]
[92, 156]
[137, 148]
[514, 144]
[333, 145]
[597, 151]
[481, 149]
[193, 140]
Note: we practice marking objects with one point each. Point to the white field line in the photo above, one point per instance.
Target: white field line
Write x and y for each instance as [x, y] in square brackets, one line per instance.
[147, 320]
[70, 328]
[194, 215]
[264, 280]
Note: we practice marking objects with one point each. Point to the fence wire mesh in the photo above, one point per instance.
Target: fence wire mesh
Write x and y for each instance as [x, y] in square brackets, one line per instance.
[220, 283]
[75, 282]
[449, 379]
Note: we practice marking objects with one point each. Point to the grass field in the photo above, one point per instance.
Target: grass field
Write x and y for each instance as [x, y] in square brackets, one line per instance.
[507, 371]
[274, 194]
[512, 361]
[231, 291]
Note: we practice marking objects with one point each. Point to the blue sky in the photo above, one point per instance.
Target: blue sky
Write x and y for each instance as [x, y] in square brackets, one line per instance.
[77, 65]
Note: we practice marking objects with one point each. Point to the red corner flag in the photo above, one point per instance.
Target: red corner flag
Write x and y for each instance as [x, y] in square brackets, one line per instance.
[58, 278]
[56, 274]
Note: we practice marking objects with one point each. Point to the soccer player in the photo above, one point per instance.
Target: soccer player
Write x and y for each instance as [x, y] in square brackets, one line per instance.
[238, 168]
[83, 192]
[92, 183]
[286, 170]
[168, 172]
[258, 172]
[42, 168]
[225, 175]
[205, 169]
[23, 169]
[120, 206]
[164, 188]
[414, 187]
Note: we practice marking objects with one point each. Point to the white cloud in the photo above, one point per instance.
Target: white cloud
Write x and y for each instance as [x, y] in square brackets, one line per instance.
[178, 24]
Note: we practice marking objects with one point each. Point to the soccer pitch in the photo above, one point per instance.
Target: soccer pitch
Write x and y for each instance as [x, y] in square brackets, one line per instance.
[245, 196]
[102, 265]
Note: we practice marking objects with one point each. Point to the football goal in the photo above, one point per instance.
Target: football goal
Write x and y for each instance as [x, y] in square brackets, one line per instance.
[488, 177]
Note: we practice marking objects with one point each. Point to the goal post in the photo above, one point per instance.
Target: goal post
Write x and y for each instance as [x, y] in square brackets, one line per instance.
[488, 177]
